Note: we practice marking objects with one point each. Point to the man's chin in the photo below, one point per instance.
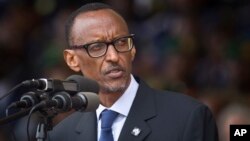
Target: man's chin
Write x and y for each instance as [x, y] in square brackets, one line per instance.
[118, 85]
[114, 88]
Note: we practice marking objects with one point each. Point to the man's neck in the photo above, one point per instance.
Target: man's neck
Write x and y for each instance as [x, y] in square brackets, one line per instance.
[108, 99]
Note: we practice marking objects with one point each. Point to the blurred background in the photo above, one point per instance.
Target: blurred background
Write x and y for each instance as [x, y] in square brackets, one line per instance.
[198, 47]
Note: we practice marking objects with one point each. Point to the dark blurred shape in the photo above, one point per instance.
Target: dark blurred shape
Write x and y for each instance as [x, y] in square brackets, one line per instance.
[233, 114]
[200, 47]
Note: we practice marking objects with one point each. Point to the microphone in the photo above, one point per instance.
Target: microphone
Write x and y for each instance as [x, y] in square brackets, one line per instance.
[27, 100]
[83, 101]
[72, 85]
[86, 84]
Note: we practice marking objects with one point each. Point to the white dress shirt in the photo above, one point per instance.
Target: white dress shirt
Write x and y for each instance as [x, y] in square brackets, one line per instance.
[121, 106]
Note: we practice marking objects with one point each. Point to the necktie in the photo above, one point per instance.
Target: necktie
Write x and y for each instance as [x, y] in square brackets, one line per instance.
[107, 118]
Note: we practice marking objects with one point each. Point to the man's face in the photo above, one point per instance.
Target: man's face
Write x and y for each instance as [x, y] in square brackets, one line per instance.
[112, 71]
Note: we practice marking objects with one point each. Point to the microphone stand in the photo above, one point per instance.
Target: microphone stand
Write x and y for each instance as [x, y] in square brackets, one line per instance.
[45, 125]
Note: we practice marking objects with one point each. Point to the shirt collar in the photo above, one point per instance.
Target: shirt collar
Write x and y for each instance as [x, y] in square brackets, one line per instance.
[124, 103]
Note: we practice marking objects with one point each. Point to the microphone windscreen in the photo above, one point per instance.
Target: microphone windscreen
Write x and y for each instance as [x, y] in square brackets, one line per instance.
[85, 84]
[92, 101]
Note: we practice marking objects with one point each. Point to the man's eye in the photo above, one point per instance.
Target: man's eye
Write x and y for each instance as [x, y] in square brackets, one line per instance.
[121, 42]
[96, 47]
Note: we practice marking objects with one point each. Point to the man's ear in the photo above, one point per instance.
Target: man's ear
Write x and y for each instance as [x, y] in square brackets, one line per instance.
[71, 59]
[133, 52]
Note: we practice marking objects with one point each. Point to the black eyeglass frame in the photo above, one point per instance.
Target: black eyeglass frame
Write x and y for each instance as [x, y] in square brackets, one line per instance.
[85, 46]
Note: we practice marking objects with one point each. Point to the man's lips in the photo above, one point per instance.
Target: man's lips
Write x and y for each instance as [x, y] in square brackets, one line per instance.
[114, 72]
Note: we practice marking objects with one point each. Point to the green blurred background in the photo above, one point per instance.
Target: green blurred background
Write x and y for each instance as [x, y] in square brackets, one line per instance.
[198, 47]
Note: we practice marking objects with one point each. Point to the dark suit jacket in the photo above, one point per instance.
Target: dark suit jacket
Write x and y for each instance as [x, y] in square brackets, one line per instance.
[161, 116]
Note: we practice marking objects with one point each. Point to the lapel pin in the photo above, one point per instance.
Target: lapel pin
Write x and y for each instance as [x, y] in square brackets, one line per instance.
[136, 131]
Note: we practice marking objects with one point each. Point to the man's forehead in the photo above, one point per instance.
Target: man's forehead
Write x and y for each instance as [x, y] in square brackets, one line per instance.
[97, 13]
[97, 18]
[95, 24]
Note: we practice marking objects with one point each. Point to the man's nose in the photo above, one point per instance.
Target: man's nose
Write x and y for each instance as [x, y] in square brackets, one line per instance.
[112, 54]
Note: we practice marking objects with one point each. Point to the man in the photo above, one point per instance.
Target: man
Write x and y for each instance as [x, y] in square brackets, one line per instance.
[101, 48]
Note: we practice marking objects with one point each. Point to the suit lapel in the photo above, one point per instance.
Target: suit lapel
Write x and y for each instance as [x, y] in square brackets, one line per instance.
[86, 129]
[143, 109]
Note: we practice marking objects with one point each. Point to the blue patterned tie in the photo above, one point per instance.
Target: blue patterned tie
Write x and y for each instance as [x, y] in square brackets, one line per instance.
[107, 118]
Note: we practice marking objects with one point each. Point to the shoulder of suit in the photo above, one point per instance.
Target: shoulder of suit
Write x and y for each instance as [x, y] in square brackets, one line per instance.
[170, 98]
[177, 99]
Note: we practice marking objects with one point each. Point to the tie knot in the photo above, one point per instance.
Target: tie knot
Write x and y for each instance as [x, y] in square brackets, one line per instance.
[107, 118]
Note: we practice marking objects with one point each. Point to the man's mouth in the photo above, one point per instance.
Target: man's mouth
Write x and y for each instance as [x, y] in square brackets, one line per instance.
[115, 72]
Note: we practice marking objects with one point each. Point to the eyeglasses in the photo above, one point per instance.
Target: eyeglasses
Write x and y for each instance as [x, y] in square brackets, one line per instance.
[99, 48]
